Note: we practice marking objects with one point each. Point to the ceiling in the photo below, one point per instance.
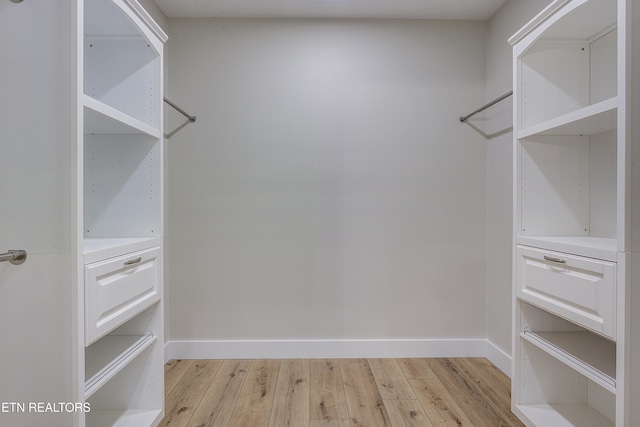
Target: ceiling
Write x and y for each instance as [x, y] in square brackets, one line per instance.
[406, 9]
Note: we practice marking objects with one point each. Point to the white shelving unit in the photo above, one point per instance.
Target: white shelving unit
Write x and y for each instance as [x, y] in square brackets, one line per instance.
[120, 316]
[573, 222]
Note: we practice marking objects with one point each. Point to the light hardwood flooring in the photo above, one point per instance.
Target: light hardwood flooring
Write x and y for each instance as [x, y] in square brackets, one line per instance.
[337, 393]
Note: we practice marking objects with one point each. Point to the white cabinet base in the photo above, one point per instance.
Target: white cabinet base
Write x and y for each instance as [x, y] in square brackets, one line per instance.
[568, 415]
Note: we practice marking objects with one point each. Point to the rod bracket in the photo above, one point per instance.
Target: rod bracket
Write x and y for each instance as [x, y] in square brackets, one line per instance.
[14, 256]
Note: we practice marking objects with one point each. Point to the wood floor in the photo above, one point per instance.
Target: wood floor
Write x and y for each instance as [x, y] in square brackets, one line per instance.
[337, 393]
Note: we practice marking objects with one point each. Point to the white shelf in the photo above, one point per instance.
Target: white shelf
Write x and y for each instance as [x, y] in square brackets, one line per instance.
[122, 418]
[108, 356]
[564, 415]
[596, 118]
[100, 118]
[106, 351]
[100, 249]
[593, 247]
[585, 352]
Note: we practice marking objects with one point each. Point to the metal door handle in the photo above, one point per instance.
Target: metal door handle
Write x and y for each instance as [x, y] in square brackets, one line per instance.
[552, 259]
[14, 256]
[133, 261]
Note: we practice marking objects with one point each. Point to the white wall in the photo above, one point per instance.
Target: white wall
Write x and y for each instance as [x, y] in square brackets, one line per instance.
[504, 23]
[327, 189]
[36, 321]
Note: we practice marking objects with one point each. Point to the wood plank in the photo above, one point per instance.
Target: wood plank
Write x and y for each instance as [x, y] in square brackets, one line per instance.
[407, 413]
[492, 385]
[364, 402]
[330, 423]
[183, 400]
[416, 369]
[326, 393]
[441, 407]
[218, 401]
[485, 371]
[174, 370]
[291, 403]
[392, 384]
[253, 408]
[465, 393]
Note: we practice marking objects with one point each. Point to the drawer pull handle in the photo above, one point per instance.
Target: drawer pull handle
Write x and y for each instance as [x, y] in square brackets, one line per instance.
[133, 261]
[552, 259]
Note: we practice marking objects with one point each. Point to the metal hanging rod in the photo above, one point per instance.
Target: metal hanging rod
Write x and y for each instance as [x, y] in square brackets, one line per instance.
[484, 107]
[191, 118]
[14, 256]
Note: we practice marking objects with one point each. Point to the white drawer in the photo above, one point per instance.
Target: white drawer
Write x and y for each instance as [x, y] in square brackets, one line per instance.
[119, 288]
[582, 290]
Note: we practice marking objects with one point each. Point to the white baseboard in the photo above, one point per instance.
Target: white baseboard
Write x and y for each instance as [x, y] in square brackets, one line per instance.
[499, 358]
[333, 349]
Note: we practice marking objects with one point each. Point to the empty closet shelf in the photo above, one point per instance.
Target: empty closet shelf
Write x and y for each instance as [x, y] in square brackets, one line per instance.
[110, 355]
[590, 355]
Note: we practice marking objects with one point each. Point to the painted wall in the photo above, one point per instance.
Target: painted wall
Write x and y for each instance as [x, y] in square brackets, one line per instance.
[327, 190]
[36, 320]
[499, 120]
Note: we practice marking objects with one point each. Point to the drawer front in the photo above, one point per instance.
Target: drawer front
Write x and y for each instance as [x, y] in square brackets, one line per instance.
[119, 288]
[582, 290]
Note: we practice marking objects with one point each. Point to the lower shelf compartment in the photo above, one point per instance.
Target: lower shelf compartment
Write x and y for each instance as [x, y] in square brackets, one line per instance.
[134, 395]
[573, 415]
[109, 356]
[551, 389]
[588, 354]
[121, 418]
